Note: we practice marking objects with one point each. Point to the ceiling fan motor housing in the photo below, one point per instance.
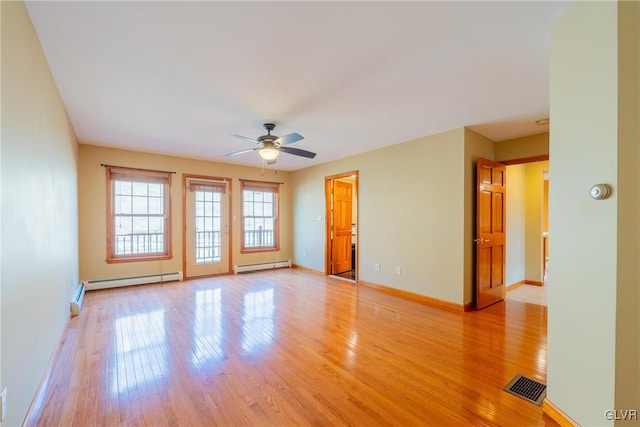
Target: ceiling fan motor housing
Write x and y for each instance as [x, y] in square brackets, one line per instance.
[268, 139]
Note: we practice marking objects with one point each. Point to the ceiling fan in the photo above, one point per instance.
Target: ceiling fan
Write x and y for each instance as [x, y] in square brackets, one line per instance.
[270, 146]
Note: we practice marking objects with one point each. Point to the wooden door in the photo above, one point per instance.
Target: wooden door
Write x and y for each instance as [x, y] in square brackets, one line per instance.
[206, 227]
[490, 233]
[341, 242]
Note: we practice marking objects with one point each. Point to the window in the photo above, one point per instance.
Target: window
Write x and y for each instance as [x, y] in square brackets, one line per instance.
[138, 223]
[259, 216]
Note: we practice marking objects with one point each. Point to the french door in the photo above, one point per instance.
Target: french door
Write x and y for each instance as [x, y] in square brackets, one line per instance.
[206, 239]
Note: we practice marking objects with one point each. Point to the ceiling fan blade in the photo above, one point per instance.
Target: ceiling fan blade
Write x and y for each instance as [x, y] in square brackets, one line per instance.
[289, 139]
[242, 152]
[298, 152]
[245, 138]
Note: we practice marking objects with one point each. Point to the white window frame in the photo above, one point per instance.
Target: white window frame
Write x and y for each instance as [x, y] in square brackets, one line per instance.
[261, 187]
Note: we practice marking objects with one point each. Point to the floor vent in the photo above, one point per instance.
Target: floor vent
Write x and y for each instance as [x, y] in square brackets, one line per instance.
[527, 389]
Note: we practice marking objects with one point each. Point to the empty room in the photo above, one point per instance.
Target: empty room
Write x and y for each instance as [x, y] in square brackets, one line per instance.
[320, 213]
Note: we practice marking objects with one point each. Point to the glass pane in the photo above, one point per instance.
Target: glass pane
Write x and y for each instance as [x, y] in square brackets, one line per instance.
[200, 224]
[257, 196]
[216, 224]
[268, 197]
[140, 188]
[156, 206]
[199, 208]
[248, 209]
[216, 209]
[208, 209]
[122, 205]
[140, 225]
[199, 196]
[140, 205]
[217, 197]
[247, 196]
[122, 187]
[249, 224]
[123, 225]
[258, 209]
[155, 190]
[208, 196]
[208, 224]
[268, 209]
[156, 224]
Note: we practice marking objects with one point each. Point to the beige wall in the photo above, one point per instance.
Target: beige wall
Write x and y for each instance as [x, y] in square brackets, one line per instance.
[411, 215]
[39, 212]
[522, 148]
[594, 245]
[92, 201]
[516, 207]
[475, 145]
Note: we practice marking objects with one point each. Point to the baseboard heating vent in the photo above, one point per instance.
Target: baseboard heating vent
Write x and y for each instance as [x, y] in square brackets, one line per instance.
[246, 268]
[77, 300]
[527, 389]
[91, 285]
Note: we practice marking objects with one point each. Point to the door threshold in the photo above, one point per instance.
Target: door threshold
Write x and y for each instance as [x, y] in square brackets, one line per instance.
[333, 276]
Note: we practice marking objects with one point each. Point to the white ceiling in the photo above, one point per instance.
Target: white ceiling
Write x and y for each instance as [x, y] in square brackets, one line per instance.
[179, 77]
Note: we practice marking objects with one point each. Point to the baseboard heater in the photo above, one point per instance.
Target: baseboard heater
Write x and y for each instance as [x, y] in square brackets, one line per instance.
[246, 268]
[77, 300]
[91, 285]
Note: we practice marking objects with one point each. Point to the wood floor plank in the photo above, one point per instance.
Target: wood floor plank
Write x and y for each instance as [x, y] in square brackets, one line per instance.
[288, 348]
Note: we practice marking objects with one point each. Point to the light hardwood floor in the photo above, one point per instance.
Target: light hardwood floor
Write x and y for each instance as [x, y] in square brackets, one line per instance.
[289, 348]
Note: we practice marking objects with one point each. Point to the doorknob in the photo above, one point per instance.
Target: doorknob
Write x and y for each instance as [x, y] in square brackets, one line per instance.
[481, 240]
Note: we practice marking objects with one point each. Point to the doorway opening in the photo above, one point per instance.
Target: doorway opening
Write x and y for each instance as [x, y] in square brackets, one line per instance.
[528, 232]
[341, 213]
[512, 250]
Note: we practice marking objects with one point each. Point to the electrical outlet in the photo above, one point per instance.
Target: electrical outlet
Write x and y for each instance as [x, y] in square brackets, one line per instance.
[398, 270]
[377, 266]
[3, 398]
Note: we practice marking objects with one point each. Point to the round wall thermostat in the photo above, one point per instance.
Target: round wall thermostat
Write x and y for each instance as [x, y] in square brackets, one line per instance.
[600, 191]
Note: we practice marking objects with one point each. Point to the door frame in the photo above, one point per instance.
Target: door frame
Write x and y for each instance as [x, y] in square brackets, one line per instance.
[229, 181]
[327, 215]
[508, 162]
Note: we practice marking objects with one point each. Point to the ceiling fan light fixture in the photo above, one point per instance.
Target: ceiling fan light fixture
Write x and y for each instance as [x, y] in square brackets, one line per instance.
[269, 153]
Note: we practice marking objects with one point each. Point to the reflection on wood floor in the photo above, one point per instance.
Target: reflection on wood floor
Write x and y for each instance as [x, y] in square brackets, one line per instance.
[288, 347]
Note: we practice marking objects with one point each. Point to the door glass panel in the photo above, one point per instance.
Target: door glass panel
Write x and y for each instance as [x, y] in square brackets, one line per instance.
[208, 230]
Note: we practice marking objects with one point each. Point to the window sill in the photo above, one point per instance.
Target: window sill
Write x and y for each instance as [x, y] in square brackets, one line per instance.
[143, 258]
[255, 250]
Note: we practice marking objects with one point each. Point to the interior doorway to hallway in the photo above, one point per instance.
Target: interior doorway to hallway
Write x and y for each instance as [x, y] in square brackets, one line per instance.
[527, 228]
[341, 213]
